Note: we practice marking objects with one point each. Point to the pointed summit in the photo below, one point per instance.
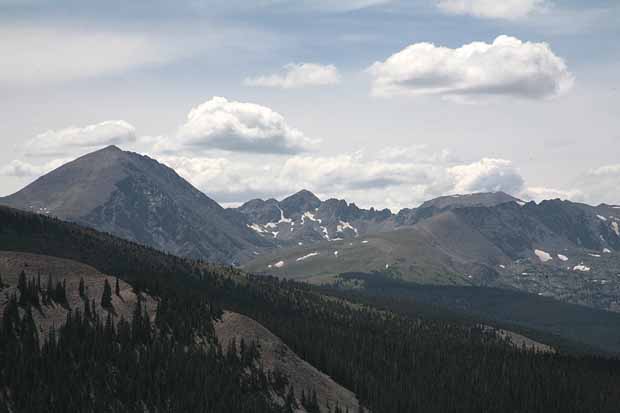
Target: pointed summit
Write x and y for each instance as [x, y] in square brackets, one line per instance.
[111, 148]
[300, 202]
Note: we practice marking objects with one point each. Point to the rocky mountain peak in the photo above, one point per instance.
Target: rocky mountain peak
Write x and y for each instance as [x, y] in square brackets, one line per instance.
[300, 202]
[138, 198]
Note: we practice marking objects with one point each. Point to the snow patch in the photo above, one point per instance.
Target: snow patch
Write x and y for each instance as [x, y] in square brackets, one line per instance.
[562, 257]
[606, 251]
[595, 255]
[543, 256]
[345, 225]
[325, 233]
[581, 268]
[305, 257]
[602, 218]
[257, 228]
[616, 228]
[365, 242]
[283, 219]
[278, 264]
[502, 266]
[300, 243]
[309, 215]
[336, 253]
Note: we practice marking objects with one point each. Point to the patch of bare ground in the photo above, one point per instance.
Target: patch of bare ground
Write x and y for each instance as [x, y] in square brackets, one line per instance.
[277, 356]
[68, 271]
[522, 341]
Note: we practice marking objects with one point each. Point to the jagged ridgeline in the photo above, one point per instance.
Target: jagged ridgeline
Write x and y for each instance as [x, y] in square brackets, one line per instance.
[393, 362]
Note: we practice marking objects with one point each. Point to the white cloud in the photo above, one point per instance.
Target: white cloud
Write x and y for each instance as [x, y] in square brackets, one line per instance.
[487, 175]
[494, 9]
[367, 178]
[21, 169]
[506, 67]
[296, 75]
[55, 142]
[351, 172]
[239, 127]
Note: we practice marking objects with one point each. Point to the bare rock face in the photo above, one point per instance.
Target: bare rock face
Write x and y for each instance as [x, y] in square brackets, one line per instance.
[140, 199]
[275, 355]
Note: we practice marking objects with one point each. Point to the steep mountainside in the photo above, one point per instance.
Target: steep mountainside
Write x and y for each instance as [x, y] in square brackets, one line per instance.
[137, 198]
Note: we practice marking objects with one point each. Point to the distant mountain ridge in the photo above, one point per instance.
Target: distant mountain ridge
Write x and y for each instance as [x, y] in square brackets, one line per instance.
[303, 218]
[561, 249]
[140, 199]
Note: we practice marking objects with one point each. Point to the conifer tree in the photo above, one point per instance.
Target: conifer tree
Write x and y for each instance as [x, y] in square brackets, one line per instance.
[81, 288]
[106, 297]
[22, 286]
[117, 288]
[50, 288]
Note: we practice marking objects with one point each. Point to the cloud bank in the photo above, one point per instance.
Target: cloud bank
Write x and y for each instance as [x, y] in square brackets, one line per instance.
[506, 67]
[297, 76]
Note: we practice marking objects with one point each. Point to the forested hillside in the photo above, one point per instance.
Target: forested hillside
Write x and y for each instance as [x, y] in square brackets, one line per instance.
[393, 362]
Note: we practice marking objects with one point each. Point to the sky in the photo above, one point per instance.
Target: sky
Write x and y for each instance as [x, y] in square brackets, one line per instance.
[384, 103]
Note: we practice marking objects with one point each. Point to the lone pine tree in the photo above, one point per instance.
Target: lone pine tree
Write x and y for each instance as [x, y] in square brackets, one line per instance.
[106, 297]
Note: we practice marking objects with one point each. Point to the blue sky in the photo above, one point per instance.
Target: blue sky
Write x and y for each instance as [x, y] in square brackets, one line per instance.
[384, 103]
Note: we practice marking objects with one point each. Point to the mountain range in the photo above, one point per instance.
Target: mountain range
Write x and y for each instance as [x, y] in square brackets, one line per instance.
[555, 248]
[480, 298]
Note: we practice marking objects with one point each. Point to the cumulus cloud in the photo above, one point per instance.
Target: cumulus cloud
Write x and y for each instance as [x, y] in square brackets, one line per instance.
[487, 175]
[20, 169]
[506, 67]
[55, 142]
[298, 75]
[239, 127]
[494, 9]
